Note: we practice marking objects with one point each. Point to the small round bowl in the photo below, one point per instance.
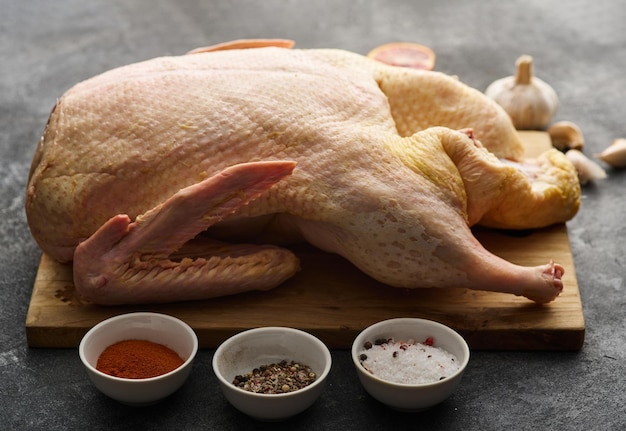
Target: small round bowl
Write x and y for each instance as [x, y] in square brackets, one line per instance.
[411, 397]
[253, 348]
[158, 328]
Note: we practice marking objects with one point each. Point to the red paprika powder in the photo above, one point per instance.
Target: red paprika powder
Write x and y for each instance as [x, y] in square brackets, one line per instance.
[138, 359]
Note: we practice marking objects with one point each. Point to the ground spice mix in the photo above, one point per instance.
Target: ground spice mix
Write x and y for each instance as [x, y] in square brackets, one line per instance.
[276, 378]
[138, 359]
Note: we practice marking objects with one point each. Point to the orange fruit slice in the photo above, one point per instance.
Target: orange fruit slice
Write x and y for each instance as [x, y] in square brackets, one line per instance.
[404, 54]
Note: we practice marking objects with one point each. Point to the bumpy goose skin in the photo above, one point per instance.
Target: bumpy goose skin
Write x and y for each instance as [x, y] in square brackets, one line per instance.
[374, 182]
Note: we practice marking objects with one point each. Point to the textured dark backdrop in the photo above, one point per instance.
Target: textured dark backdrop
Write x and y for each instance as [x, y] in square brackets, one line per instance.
[578, 46]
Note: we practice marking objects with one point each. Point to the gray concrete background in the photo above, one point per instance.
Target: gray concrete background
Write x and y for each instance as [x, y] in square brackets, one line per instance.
[578, 46]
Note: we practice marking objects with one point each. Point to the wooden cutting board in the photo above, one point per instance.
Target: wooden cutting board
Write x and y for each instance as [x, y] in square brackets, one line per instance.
[334, 301]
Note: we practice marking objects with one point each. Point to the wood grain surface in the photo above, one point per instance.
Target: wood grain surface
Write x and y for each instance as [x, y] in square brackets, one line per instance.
[334, 301]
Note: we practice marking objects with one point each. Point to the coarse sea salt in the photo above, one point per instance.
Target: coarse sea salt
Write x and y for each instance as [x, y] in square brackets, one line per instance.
[408, 362]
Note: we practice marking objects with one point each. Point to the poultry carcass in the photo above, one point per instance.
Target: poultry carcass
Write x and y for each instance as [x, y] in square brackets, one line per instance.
[163, 179]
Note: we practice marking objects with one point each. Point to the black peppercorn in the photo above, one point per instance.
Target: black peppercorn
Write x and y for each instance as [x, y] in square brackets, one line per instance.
[276, 378]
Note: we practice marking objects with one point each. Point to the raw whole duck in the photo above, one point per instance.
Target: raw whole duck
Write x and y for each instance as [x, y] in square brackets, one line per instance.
[182, 178]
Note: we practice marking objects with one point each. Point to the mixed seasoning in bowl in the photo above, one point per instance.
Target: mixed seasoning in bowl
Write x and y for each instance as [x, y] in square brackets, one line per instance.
[276, 378]
[407, 362]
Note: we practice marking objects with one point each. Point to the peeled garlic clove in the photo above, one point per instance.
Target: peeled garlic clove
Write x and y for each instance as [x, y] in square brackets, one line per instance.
[566, 135]
[530, 102]
[587, 169]
[615, 154]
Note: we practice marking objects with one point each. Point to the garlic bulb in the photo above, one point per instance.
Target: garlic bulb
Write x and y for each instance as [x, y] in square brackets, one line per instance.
[529, 101]
[587, 169]
[615, 154]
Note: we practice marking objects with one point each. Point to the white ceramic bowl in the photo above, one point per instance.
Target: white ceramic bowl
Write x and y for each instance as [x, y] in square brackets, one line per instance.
[250, 349]
[411, 397]
[158, 328]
